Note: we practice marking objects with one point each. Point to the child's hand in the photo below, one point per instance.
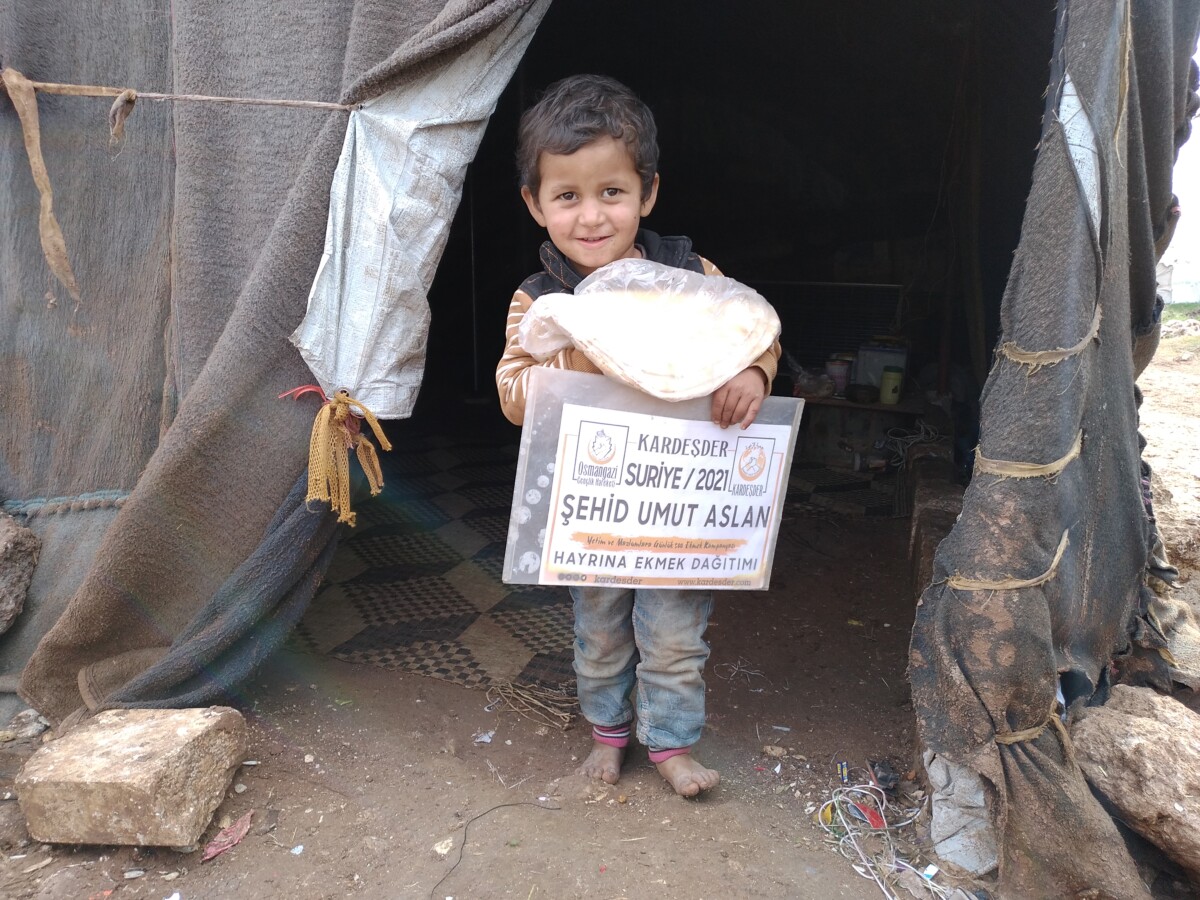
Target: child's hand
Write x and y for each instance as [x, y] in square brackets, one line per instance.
[739, 399]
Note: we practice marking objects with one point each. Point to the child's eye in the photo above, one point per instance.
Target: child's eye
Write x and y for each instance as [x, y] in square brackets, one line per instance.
[612, 192]
[567, 196]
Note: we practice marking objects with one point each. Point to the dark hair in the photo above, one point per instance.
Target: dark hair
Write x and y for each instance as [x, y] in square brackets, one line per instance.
[575, 111]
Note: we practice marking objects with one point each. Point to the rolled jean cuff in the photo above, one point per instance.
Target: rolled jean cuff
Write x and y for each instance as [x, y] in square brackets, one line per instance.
[657, 756]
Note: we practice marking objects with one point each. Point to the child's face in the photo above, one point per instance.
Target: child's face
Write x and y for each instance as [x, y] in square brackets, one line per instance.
[590, 202]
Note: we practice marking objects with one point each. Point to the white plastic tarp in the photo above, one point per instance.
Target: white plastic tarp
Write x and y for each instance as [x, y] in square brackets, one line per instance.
[394, 193]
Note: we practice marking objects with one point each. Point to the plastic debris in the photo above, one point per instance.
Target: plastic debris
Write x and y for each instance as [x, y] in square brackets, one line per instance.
[884, 776]
[443, 848]
[174, 896]
[843, 771]
[131, 874]
[297, 850]
[228, 837]
[868, 815]
[484, 737]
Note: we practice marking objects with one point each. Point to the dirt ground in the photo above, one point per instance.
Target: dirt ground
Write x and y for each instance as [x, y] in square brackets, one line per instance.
[361, 772]
[1171, 425]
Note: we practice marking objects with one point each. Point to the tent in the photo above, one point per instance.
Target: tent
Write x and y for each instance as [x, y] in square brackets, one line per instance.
[147, 446]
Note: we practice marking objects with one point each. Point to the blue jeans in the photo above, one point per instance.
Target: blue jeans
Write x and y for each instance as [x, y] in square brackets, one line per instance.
[654, 638]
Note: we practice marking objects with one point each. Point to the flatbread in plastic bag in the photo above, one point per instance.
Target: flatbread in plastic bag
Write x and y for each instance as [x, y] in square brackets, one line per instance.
[669, 332]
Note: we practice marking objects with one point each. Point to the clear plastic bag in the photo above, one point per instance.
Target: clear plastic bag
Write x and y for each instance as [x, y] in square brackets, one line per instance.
[669, 332]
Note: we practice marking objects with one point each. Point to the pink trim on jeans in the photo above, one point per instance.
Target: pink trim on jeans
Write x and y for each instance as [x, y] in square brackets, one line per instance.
[657, 756]
[613, 736]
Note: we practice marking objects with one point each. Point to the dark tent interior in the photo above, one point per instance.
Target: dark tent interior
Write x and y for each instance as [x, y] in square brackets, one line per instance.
[863, 165]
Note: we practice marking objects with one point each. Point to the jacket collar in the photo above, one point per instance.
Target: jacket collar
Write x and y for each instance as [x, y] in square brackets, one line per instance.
[672, 251]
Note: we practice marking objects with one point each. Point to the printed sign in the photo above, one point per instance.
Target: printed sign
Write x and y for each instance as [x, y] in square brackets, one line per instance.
[633, 498]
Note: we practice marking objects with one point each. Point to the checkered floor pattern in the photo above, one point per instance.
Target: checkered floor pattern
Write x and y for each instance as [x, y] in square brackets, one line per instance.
[416, 586]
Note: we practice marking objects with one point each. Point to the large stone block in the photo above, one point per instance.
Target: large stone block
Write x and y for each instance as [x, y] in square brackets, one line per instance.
[1142, 751]
[146, 777]
[19, 549]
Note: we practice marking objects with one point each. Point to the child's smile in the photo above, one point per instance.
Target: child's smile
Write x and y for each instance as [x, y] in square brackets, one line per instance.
[590, 202]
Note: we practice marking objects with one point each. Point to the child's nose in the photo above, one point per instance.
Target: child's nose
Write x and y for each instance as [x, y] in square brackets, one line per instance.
[592, 213]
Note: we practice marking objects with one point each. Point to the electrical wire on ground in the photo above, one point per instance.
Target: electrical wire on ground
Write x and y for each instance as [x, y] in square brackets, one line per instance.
[847, 818]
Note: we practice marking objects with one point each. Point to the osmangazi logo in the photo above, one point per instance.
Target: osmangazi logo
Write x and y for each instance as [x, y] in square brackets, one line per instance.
[601, 450]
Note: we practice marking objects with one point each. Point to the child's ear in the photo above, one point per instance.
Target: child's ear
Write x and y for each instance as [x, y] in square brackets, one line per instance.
[532, 204]
[648, 203]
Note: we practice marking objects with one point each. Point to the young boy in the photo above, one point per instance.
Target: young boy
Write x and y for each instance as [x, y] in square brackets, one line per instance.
[588, 160]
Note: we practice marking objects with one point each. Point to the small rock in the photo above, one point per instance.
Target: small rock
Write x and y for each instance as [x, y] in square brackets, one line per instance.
[19, 550]
[28, 723]
[239, 788]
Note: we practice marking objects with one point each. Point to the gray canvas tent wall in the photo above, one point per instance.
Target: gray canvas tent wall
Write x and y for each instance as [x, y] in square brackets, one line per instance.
[154, 399]
[146, 445]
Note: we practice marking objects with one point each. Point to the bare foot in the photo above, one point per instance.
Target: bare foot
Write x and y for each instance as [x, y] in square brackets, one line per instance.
[604, 762]
[687, 776]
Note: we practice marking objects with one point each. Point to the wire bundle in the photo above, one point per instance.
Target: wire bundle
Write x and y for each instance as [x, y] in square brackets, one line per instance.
[857, 815]
[898, 441]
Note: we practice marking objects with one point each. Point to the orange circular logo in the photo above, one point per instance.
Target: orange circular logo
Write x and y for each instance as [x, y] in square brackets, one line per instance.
[601, 450]
[753, 462]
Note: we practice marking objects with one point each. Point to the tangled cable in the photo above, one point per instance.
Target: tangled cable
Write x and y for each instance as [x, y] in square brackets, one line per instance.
[899, 440]
[857, 814]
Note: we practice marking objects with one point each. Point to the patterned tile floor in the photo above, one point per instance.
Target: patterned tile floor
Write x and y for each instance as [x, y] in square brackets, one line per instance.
[416, 585]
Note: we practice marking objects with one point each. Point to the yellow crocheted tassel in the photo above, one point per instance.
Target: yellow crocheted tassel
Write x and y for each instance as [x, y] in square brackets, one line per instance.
[336, 431]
